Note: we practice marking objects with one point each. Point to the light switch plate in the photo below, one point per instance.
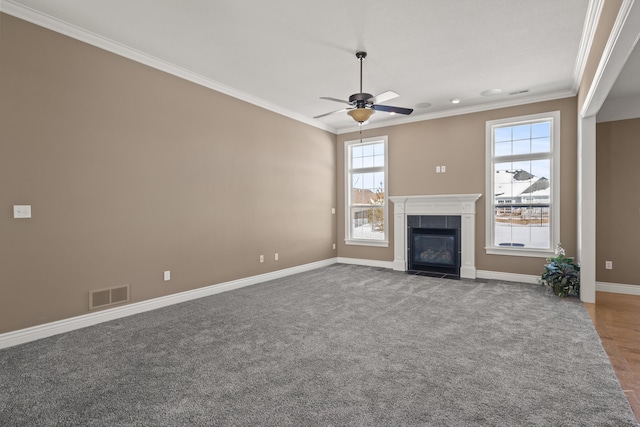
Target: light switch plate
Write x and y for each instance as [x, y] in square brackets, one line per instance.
[22, 211]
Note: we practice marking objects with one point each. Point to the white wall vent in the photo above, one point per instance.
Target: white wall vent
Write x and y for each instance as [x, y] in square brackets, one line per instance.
[109, 296]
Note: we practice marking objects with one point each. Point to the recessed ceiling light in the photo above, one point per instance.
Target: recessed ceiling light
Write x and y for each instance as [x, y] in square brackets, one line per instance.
[490, 92]
[392, 113]
[455, 101]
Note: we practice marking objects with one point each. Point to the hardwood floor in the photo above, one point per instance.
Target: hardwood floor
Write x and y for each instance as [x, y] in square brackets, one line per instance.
[617, 319]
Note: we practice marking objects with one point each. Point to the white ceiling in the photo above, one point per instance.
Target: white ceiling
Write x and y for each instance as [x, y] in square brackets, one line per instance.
[286, 54]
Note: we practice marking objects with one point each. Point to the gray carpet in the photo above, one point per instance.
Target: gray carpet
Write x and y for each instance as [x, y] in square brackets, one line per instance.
[341, 345]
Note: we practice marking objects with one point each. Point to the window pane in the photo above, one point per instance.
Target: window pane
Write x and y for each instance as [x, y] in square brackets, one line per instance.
[522, 226]
[368, 188]
[367, 223]
[502, 180]
[357, 180]
[356, 163]
[541, 168]
[379, 181]
[502, 149]
[360, 196]
[356, 151]
[522, 146]
[540, 130]
[522, 188]
[541, 145]
[502, 134]
[369, 182]
[521, 132]
[366, 213]
[522, 182]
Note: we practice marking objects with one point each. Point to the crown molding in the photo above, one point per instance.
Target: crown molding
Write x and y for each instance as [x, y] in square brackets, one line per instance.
[550, 96]
[43, 20]
[33, 16]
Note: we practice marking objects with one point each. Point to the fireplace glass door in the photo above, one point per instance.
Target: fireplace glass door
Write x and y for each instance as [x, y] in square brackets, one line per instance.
[434, 250]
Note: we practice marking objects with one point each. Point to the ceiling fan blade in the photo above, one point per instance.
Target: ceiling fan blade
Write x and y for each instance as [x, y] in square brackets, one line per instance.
[390, 109]
[333, 112]
[383, 97]
[328, 98]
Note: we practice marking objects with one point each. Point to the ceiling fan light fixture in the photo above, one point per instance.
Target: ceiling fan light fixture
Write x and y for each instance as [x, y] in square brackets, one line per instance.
[360, 114]
[362, 105]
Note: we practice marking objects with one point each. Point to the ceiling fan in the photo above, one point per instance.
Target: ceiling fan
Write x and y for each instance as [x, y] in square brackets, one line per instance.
[363, 105]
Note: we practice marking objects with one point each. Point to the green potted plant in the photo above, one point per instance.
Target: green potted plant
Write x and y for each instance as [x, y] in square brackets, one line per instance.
[562, 275]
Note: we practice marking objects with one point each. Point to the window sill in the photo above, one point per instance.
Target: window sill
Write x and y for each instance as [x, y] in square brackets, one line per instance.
[537, 253]
[378, 243]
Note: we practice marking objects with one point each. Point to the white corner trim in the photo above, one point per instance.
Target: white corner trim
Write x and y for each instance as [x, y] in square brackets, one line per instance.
[366, 262]
[617, 288]
[508, 277]
[586, 41]
[46, 21]
[620, 44]
[33, 333]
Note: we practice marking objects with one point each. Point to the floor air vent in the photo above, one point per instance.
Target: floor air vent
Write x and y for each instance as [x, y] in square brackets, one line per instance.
[106, 297]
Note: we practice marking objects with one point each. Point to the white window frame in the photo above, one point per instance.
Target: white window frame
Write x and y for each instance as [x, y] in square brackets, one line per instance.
[349, 240]
[554, 199]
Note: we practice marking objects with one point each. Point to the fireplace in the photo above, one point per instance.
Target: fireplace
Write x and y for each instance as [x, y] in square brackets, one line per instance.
[431, 211]
[434, 251]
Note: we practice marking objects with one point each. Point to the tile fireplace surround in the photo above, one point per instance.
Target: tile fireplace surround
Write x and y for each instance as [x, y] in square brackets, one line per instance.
[463, 205]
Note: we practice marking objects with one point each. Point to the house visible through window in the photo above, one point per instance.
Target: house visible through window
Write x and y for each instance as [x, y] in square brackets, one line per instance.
[366, 196]
[523, 185]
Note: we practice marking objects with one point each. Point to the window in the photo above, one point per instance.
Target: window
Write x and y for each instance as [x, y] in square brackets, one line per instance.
[523, 212]
[365, 192]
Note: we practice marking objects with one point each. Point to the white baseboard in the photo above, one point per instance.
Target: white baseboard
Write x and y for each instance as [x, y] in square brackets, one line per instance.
[22, 336]
[33, 333]
[366, 262]
[508, 277]
[618, 288]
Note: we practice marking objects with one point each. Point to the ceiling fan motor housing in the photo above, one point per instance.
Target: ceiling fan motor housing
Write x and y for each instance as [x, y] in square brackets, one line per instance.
[359, 100]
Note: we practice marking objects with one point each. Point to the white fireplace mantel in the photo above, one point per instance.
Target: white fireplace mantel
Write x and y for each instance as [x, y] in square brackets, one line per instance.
[463, 205]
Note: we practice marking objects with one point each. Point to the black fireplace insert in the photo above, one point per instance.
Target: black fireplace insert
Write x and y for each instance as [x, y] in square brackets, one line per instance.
[434, 250]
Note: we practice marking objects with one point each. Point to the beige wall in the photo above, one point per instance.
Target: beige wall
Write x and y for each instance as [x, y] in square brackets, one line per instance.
[131, 171]
[459, 143]
[618, 203]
